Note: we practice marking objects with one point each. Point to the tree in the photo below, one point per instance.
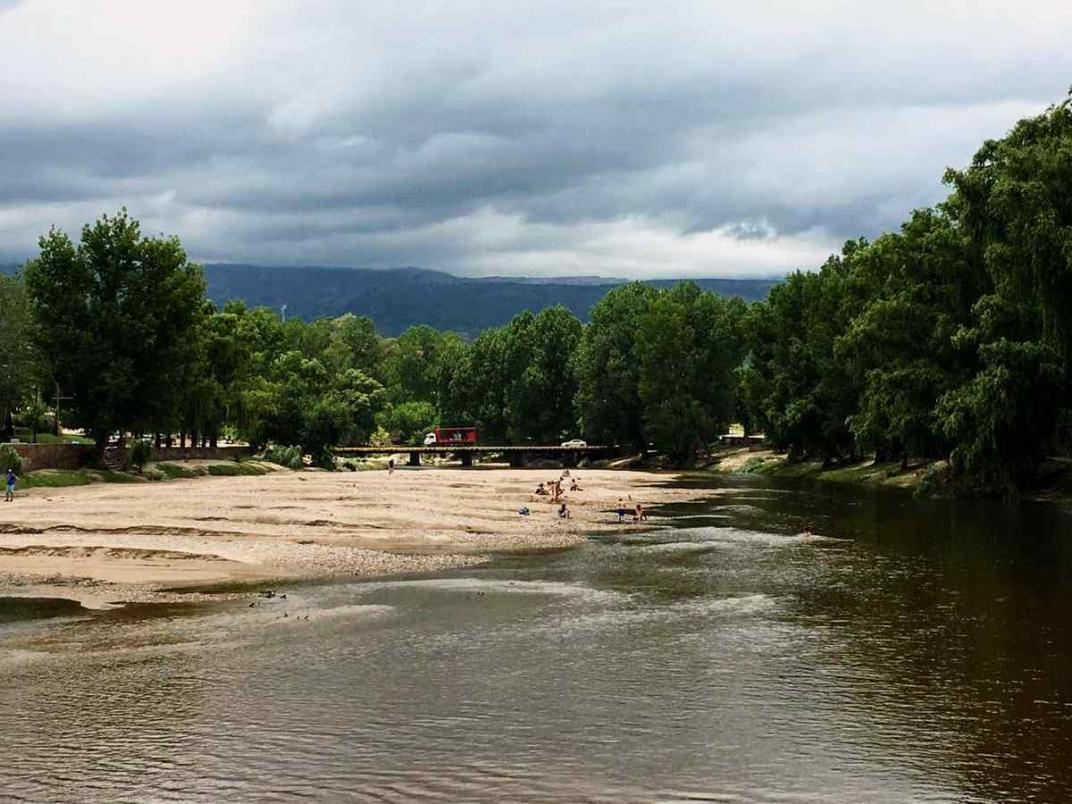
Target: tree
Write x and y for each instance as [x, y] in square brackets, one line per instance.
[1014, 203]
[114, 318]
[688, 351]
[795, 389]
[410, 364]
[19, 366]
[608, 396]
[407, 422]
[915, 289]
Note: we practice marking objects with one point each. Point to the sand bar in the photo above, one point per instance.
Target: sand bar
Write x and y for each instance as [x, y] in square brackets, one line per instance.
[123, 542]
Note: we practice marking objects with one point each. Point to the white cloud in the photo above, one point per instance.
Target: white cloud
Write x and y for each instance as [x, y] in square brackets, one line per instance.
[621, 138]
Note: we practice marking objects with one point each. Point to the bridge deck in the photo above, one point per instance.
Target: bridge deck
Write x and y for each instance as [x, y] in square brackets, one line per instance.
[471, 448]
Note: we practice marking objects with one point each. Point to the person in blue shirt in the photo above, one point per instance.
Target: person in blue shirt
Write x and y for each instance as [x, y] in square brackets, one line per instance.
[10, 494]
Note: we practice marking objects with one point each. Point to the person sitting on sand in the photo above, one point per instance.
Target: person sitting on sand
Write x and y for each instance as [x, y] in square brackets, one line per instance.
[639, 515]
[540, 490]
[574, 485]
[9, 495]
[563, 511]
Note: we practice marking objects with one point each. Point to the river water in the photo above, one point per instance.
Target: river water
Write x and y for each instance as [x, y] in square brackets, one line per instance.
[909, 651]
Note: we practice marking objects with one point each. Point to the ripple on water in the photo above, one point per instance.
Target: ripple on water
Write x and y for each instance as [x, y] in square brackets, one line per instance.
[500, 585]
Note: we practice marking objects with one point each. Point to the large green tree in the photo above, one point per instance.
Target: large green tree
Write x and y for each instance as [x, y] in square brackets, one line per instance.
[915, 290]
[1014, 203]
[19, 365]
[607, 367]
[114, 318]
[688, 352]
[795, 389]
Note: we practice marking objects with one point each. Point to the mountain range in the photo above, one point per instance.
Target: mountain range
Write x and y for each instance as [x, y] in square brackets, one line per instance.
[400, 297]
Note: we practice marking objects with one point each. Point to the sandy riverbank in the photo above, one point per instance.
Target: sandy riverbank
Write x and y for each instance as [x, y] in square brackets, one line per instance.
[122, 542]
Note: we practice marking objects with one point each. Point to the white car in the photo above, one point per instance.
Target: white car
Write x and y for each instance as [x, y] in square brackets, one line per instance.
[575, 443]
[430, 440]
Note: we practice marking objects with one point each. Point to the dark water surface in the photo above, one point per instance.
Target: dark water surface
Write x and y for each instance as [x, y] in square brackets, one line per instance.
[913, 651]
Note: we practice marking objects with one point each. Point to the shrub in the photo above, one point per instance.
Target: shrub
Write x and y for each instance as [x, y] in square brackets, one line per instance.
[235, 469]
[9, 459]
[290, 457]
[172, 471]
[141, 453]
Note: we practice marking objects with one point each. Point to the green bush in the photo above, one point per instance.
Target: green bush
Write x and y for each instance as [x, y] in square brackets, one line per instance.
[9, 459]
[173, 470]
[141, 453]
[55, 478]
[290, 457]
[235, 469]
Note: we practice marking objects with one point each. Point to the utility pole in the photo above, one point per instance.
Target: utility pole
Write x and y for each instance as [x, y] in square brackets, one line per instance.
[56, 411]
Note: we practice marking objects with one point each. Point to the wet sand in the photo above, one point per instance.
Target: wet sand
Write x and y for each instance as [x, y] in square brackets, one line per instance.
[106, 543]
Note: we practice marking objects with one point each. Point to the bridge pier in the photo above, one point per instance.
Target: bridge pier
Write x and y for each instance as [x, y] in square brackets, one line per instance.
[517, 459]
[467, 459]
[414, 459]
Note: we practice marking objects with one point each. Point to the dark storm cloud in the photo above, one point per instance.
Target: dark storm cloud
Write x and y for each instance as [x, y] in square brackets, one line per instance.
[691, 138]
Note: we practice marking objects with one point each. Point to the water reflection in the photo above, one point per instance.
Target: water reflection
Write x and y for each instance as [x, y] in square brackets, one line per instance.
[910, 651]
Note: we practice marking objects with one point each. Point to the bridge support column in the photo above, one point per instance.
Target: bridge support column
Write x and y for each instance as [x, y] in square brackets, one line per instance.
[517, 459]
[467, 458]
[414, 459]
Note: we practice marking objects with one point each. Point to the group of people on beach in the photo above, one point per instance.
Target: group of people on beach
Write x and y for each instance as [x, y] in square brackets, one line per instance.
[554, 490]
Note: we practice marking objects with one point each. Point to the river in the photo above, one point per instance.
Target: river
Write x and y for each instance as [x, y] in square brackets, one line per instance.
[909, 651]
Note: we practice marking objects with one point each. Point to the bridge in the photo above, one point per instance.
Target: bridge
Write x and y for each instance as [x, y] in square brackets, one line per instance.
[518, 455]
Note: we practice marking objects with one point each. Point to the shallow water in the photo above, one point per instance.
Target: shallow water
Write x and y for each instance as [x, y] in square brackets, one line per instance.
[909, 651]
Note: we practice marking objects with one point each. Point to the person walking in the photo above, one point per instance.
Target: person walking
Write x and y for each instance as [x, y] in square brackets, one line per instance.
[9, 495]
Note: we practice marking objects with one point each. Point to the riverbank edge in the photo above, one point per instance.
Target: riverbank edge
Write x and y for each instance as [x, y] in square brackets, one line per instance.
[930, 479]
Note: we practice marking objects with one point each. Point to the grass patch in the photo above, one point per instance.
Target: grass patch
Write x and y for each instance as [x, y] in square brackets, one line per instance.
[173, 471]
[236, 469]
[753, 466]
[868, 473]
[54, 479]
[111, 476]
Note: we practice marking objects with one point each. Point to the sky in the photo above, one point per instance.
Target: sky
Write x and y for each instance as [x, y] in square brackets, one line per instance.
[624, 139]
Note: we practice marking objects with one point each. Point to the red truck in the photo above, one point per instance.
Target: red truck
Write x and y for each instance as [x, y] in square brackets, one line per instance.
[451, 435]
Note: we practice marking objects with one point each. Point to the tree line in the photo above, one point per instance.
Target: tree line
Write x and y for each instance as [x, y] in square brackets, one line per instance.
[949, 338]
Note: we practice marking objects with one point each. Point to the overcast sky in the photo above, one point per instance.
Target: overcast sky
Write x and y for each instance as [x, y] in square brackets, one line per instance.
[616, 138]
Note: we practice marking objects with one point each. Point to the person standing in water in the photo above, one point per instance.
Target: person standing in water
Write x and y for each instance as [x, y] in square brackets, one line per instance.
[9, 495]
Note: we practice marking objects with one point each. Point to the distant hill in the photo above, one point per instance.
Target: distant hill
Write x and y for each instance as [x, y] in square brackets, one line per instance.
[400, 297]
